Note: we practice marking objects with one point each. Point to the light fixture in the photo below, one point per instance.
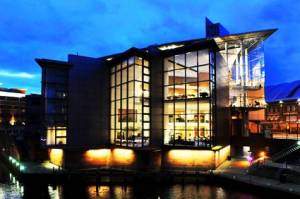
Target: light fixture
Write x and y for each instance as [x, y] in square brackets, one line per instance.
[262, 154]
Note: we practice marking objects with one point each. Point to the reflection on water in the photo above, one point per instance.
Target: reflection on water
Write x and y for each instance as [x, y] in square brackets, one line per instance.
[11, 188]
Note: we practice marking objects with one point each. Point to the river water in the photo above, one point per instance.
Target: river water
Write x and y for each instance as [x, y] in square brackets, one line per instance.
[10, 188]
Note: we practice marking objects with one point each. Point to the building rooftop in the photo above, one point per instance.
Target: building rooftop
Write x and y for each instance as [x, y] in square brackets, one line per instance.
[283, 92]
[12, 92]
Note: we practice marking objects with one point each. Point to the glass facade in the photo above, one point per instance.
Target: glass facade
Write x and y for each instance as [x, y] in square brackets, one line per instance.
[247, 74]
[130, 103]
[55, 92]
[189, 98]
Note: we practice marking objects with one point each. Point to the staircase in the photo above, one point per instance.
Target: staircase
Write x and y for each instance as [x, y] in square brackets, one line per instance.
[285, 152]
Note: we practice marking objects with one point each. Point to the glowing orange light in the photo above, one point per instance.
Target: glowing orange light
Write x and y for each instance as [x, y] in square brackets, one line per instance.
[262, 154]
[123, 156]
[97, 156]
[181, 157]
[56, 156]
[12, 120]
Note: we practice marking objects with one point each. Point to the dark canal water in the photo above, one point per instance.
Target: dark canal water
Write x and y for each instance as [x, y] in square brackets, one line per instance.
[11, 188]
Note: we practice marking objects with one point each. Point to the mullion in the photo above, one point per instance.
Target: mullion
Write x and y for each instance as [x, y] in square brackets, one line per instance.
[143, 82]
[127, 105]
[198, 111]
[185, 100]
[173, 101]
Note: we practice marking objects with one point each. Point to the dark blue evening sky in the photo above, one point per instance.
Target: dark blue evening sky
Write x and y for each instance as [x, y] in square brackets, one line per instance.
[53, 28]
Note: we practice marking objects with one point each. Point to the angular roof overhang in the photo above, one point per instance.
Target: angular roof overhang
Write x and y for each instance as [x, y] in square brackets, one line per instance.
[53, 63]
[248, 39]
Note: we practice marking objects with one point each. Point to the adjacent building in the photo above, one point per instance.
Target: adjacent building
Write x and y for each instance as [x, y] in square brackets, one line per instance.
[166, 106]
[12, 111]
[283, 111]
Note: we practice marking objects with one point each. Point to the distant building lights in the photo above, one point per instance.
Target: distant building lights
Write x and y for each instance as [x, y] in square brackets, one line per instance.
[280, 102]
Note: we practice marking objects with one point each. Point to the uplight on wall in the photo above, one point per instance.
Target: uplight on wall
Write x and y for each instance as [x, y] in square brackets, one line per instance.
[56, 156]
[123, 156]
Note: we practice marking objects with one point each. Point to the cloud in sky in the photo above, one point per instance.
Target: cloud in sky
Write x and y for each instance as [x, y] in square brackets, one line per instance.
[11, 74]
[52, 29]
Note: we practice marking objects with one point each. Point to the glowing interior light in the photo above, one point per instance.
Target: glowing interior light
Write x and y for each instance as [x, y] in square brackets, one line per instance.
[298, 142]
[108, 59]
[56, 156]
[215, 148]
[11, 94]
[123, 156]
[169, 47]
[12, 120]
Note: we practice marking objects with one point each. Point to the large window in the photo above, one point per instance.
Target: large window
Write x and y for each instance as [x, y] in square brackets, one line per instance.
[189, 83]
[56, 94]
[130, 103]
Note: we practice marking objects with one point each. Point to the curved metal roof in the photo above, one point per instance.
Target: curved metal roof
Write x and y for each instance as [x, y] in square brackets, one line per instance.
[284, 91]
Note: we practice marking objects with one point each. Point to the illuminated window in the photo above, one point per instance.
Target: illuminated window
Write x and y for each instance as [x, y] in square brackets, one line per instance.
[188, 99]
[130, 111]
[56, 135]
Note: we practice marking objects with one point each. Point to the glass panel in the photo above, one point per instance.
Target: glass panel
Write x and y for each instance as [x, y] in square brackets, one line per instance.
[118, 74]
[131, 73]
[203, 57]
[138, 73]
[138, 61]
[112, 79]
[118, 96]
[124, 64]
[146, 78]
[124, 90]
[130, 89]
[131, 61]
[138, 89]
[180, 61]
[124, 75]
[169, 78]
[203, 73]
[146, 63]
[146, 71]
[169, 92]
[179, 76]
[112, 121]
[146, 110]
[169, 63]
[179, 91]
[118, 66]
[146, 118]
[203, 89]
[112, 105]
[61, 140]
[191, 59]
[112, 95]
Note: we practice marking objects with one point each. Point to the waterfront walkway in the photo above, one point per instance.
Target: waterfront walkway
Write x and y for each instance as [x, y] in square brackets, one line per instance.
[238, 170]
